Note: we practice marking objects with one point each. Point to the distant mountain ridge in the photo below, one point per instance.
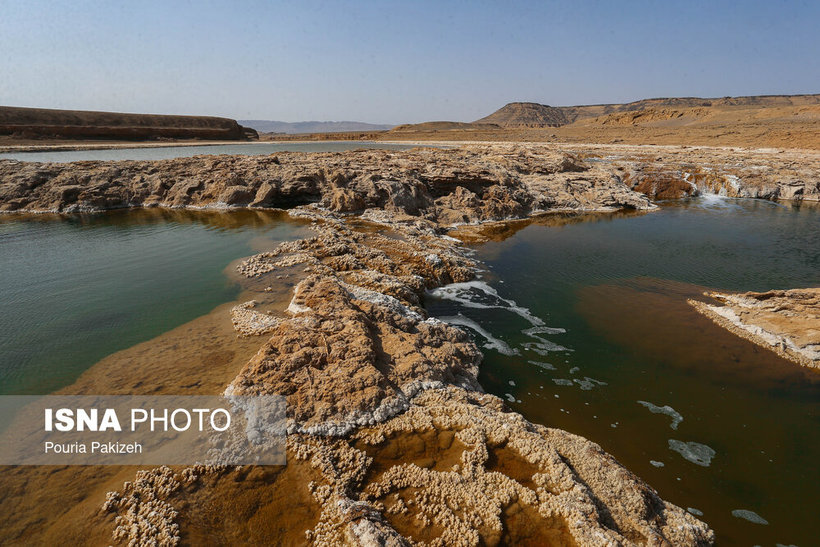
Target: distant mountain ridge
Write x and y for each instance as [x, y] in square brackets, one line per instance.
[523, 114]
[273, 126]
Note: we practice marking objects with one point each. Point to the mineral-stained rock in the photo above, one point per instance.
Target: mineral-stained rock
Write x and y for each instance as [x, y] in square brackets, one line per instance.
[785, 321]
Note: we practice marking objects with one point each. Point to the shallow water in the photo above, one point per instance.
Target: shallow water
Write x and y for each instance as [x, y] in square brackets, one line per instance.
[585, 326]
[76, 288]
[710, 420]
[170, 152]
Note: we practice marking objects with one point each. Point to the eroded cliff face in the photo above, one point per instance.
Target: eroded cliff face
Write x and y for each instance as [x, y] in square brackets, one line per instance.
[785, 321]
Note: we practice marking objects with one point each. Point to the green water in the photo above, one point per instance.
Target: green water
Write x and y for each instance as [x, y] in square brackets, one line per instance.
[617, 286]
[76, 288]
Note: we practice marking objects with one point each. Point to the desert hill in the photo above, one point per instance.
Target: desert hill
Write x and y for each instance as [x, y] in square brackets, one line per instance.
[541, 115]
[43, 123]
[785, 121]
[444, 126]
[526, 115]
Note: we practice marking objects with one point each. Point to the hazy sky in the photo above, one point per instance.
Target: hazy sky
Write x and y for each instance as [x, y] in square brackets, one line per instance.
[395, 62]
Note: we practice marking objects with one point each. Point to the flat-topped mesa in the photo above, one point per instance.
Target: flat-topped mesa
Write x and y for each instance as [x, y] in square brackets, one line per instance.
[44, 123]
[787, 322]
[450, 186]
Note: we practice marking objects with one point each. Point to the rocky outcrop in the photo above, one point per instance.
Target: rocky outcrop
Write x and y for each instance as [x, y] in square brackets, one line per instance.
[672, 172]
[787, 322]
[460, 185]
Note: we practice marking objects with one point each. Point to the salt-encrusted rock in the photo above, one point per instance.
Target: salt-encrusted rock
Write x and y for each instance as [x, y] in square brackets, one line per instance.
[249, 322]
[448, 186]
[787, 322]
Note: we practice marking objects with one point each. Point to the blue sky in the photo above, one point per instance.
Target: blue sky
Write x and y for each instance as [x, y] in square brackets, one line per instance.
[397, 62]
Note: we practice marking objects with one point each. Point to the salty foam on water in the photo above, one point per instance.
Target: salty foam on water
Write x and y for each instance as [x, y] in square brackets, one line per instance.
[544, 330]
[656, 463]
[542, 364]
[667, 410]
[697, 453]
[588, 384]
[474, 294]
[543, 347]
[751, 516]
[492, 342]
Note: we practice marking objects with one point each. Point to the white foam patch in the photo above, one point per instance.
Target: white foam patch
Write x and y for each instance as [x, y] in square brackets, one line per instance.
[509, 397]
[667, 410]
[656, 463]
[696, 512]
[543, 330]
[492, 342]
[588, 384]
[562, 382]
[542, 364]
[751, 516]
[471, 293]
[543, 348]
[697, 453]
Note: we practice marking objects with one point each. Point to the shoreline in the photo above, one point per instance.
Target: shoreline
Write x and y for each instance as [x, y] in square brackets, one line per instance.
[364, 289]
[785, 326]
[89, 145]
